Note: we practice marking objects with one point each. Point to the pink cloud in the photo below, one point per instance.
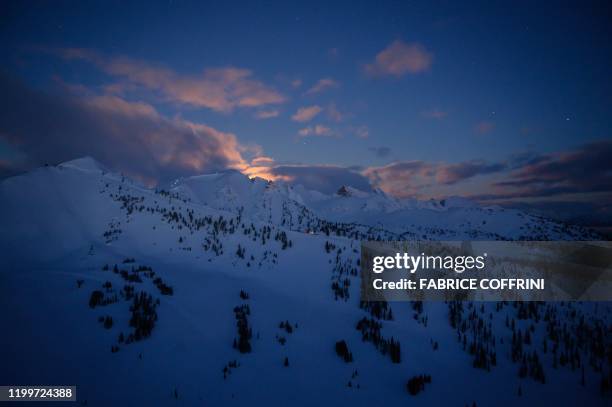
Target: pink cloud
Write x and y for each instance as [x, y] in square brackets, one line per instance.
[263, 167]
[402, 179]
[412, 178]
[453, 173]
[121, 106]
[128, 136]
[305, 114]
[173, 142]
[262, 161]
[219, 89]
[436, 114]
[318, 130]
[399, 59]
[323, 85]
[266, 114]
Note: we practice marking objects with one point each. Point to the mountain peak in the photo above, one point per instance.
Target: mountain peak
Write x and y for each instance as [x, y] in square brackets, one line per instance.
[343, 191]
[348, 191]
[86, 163]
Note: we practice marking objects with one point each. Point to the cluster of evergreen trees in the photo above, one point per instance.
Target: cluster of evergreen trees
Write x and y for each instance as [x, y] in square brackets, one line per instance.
[144, 316]
[573, 340]
[245, 333]
[127, 292]
[418, 314]
[416, 384]
[281, 236]
[531, 365]
[163, 288]
[143, 305]
[133, 276]
[297, 217]
[378, 309]
[240, 252]
[113, 232]
[107, 321]
[561, 333]
[343, 352]
[214, 228]
[288, 328]
[227, 369]
[354, 377]
[370, 332]
[286, 325]
[342, 271]
[474, 332]
[97, 299]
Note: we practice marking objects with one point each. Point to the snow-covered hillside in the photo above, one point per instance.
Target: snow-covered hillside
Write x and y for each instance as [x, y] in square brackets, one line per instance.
[227, 291]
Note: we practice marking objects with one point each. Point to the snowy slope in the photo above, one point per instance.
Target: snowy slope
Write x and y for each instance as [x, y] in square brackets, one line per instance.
[208, 238]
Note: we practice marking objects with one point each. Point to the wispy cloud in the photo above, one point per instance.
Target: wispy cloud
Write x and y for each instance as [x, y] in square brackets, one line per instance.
[334, 114]
[305, 114]
[262, 161]
[435, 114]
[322, 85]
[410, 178]
[401, 179]
[266, 114]
[318, 130]
[362, 132]
[452, 173]
[585, 169]
[219, 89]
[399, 59]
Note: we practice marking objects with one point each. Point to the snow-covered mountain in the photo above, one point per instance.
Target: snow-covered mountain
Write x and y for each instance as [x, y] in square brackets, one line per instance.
[223, 290]
[451, 218]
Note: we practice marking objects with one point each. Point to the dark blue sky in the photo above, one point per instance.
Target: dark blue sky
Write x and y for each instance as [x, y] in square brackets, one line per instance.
[419, 98]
